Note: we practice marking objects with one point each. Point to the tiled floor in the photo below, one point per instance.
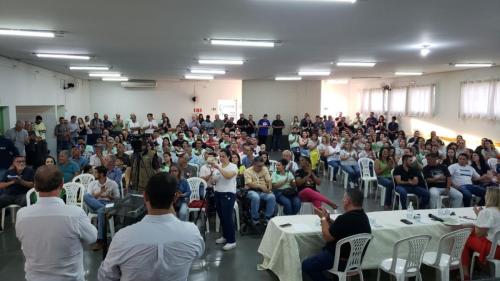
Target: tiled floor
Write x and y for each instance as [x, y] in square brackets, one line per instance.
[238, 264]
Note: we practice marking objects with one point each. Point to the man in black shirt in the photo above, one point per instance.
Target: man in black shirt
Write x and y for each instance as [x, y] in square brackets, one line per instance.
[407, 181]
[278, 126]
[242, 123]
[438, 180]
[393, 128]
[16, 182]
[7, 152]
[353, 221]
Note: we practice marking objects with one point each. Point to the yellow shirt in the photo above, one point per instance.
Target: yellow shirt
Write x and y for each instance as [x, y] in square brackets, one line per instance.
[261, 178]
[38, 128]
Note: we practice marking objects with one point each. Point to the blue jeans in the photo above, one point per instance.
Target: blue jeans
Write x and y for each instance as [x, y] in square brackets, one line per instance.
[389, 186]
[183, 212]
[255, 198]
[469, 189]
[276, 143]
[291, 204]
[97, 206]
[224, 202]
[352, 171]
[315, 265]
[421, 192]
[336, 166]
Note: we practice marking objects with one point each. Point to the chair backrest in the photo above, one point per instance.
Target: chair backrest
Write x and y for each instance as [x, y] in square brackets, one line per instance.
[122, 186]
[452, 244]
[197, 168]
[84, 179]
[496, 239]
[492, 162]
[367, 168]
[74, 193]
[29, 194]
[358, 244]
[392, 177]
[416, 248]
[194, 184]
[272, 167]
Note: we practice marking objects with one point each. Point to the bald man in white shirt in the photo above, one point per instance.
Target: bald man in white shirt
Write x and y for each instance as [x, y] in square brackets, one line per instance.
[160, 246]
[52, 234]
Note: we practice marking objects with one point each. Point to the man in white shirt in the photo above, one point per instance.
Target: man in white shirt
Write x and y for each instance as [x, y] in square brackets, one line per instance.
[462, 175]
[99, 193]
[150, 125]
[52, 233]
[98, 158]
[160, 246]
[133, 125]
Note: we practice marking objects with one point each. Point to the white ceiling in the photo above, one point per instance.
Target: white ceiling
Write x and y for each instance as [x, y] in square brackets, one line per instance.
[160, 39]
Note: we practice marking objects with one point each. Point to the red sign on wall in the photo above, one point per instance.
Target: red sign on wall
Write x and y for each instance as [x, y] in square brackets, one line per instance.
[197, 110]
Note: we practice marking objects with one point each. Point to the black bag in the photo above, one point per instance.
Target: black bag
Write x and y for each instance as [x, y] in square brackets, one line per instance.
[289, 192]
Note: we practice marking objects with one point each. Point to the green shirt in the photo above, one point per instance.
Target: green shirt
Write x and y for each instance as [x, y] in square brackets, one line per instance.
[276, 177]
[386, 171]
[293, 140]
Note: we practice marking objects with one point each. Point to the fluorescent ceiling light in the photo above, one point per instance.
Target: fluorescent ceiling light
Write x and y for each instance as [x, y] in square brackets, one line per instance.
[221, 62]
[314, 73]
[105, 74]
[62, 56]
[356, 64]
[408, 73]
[208, 71]
[425, 51]
[198, 77]
[337, 81]
[243, 43]
[115, 79]
[473, 64]
[103, 68]
[27, 33]
[288, 78]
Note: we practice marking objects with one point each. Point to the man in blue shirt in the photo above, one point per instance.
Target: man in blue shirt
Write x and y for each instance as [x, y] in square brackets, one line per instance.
[114, 172]
[76, 156]
[69, 168]
[263, 130]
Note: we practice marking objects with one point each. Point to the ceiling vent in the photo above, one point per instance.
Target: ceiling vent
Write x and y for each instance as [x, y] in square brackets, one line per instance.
[139, 84]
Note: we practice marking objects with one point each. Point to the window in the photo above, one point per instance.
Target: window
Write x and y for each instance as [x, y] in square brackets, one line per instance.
[480, 99]
[397, 101]
[421, 101]
[373, 100]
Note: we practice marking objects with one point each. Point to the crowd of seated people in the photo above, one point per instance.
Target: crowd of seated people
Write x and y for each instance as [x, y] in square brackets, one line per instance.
[84, 142]
[231, 154]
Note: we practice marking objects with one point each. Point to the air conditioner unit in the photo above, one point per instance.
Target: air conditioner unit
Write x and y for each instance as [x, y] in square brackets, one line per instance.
[139, 84]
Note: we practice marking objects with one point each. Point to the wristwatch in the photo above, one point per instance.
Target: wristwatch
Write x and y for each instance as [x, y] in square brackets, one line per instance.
[323, 219]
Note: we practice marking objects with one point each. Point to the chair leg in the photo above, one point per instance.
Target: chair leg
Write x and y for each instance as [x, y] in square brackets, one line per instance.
[111, 222]
[361, 278]
[378, 274]
[3, 219]
[472, 266]
[461, 268]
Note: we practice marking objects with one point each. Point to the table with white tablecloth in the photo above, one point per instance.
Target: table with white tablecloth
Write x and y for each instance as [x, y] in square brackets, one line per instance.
[285, 247]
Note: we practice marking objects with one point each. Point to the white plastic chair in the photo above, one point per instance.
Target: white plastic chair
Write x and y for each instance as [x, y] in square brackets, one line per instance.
[449, 254]
[74, 193]
[396, 195]
[194, 184]
[409, 266]
[492, 162]
[13, 211]
[367, 169]
[236, 214]
[495, 264]
[196, 167]
[358, 244]
[28, 196]
[84, 179]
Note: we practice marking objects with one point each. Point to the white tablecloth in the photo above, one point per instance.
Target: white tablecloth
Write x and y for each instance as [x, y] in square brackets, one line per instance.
[284, 248]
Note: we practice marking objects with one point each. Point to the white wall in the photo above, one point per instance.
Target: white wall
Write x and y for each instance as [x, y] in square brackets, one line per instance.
[334, 99]
[287, 98]
[446, 118]
[171, 97]
[26, 85]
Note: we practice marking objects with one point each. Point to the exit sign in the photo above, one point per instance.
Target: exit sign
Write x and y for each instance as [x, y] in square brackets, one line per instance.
[197, 110]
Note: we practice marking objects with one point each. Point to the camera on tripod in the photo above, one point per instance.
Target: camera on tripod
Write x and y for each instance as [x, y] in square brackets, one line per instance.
[136, 142]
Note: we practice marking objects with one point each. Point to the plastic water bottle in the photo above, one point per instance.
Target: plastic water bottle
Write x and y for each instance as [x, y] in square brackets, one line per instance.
[409, 211]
